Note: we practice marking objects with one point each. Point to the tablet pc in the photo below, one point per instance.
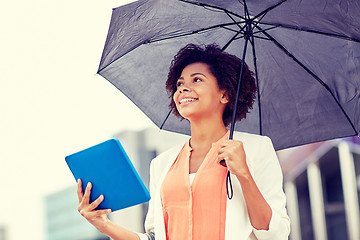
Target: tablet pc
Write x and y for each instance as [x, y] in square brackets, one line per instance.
[109, 169]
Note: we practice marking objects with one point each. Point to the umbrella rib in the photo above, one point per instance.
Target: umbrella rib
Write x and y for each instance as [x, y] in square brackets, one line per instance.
[134, 47]
[238, 24]
[169, 36]
[312, 74]
[263, 38]
[211, 6]
[266, 29]
[246, 11]
[230, 41]
[233, 30]
[256, 21]
[270, 8]
[311, 31]
[241, 2]
[237, 32]
[166, 118]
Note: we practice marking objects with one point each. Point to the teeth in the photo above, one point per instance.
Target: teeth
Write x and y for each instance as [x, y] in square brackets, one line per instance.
[187, 100]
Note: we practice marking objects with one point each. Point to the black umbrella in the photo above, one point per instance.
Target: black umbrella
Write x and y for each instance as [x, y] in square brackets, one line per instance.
[305, 54]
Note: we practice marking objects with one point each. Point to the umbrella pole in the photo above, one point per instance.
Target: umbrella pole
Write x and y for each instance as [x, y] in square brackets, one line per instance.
[238, 90]
[229, 188]
[247, 34]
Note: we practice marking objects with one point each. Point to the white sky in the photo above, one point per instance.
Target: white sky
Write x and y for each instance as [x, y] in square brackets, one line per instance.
[52, 103]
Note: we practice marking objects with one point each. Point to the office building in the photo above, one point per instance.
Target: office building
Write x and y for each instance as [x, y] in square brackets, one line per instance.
[322, 184]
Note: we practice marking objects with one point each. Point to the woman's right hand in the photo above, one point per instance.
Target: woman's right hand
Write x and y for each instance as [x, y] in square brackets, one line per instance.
[97, 218]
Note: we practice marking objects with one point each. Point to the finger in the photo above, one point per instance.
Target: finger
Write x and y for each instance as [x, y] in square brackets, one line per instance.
[96, 203]
[220, 150]
[86, 197]
[222, 160]
[79, 190]
[105, 211]
[94, 214]
[225, 143]
[222, 155]
[102, 212]
[231, 143]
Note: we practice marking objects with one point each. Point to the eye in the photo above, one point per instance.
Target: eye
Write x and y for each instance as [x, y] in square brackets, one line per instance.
[179, 83]
[196, 79]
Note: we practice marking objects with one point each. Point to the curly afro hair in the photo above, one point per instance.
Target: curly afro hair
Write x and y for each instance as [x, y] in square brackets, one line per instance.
[226, 69]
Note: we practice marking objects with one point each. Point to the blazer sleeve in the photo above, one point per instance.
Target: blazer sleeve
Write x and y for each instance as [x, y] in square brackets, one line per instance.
[149, 221]
[269, 179]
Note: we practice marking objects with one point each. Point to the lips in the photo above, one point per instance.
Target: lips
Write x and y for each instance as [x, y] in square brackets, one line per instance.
[187, 100]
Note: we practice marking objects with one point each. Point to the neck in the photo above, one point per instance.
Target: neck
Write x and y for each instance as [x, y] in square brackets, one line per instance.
[206, 132]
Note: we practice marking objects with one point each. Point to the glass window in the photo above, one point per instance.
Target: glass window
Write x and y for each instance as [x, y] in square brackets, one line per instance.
[304, 207]
[333, 195]
[357, 172]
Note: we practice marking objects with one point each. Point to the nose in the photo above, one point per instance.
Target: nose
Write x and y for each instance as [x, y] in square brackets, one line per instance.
[183, 88]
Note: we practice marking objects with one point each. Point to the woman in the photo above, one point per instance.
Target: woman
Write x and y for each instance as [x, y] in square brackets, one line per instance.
[187, 183]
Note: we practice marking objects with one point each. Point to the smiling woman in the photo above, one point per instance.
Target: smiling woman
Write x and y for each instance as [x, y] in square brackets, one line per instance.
[222, 66]
[187, 183]
[198, 94]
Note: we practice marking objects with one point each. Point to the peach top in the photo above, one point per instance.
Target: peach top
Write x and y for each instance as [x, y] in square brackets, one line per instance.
[198, 210]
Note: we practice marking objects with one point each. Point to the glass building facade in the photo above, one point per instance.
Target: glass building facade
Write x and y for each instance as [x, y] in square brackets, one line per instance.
[322, 184]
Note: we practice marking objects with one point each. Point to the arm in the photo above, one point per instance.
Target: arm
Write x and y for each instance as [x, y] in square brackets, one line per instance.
[259, 210]
[98, 218]
[262, 188]
[269, 179]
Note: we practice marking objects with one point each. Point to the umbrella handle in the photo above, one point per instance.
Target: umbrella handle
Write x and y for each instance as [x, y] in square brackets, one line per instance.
[229, 188]
[223, 163]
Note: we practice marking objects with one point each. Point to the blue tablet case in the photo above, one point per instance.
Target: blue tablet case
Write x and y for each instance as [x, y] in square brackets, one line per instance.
[111, 173]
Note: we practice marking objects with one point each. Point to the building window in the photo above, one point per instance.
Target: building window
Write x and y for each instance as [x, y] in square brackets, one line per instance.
[333, 195]
[357, 173]
[304, 207]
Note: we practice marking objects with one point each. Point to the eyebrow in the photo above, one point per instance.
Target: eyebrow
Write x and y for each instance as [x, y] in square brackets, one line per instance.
[193, 75]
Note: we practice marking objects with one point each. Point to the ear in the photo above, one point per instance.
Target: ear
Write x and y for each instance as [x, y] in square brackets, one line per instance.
[224, 98]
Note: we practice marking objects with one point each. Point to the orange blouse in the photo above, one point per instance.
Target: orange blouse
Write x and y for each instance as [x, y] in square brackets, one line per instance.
[198, 210]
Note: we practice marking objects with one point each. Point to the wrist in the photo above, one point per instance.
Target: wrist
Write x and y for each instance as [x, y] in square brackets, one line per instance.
[243, 176]
[105, 227]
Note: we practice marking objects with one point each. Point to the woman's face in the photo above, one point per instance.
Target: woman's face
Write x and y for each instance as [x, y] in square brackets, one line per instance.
[198, 94]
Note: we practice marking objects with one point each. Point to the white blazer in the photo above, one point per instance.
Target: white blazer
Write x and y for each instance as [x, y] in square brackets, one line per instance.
[265, 169]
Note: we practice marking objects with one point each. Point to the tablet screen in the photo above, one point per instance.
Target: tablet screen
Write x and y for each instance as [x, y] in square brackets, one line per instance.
[109, 169]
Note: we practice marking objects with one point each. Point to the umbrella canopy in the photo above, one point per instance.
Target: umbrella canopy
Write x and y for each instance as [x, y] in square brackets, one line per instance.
[306, 57]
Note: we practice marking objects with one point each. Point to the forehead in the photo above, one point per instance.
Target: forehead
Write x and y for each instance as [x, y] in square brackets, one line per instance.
[197, 67]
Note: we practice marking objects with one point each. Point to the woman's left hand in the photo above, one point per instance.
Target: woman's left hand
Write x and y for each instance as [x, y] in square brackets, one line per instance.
[233, 153]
